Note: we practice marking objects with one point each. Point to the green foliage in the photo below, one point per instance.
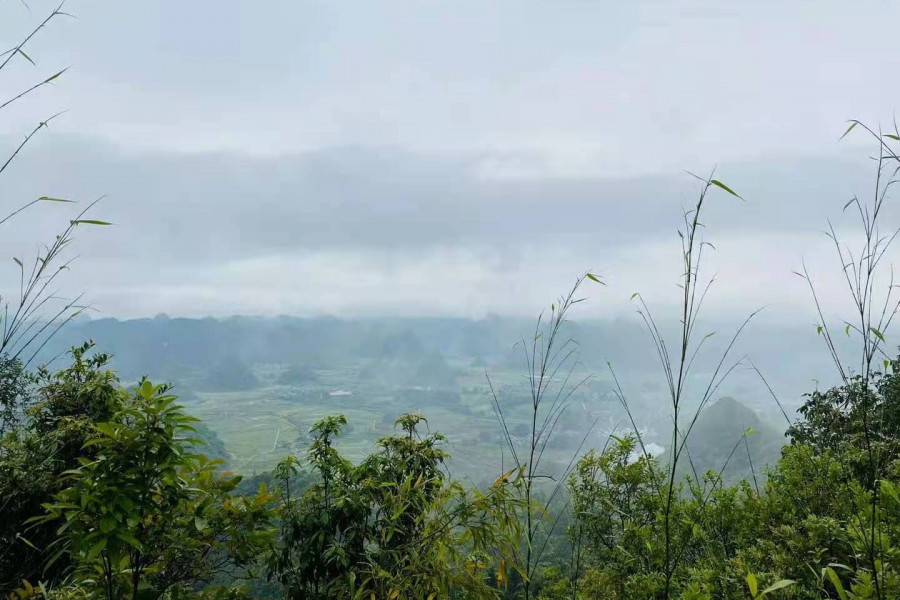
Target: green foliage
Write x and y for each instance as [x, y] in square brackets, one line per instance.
[145, 516]
[59, 417]
[15, 392]
[392, 526]
[805, 535]
[843, 417]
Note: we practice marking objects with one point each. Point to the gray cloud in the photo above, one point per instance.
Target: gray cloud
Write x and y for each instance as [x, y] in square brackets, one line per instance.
[369, 231]
[420, 158]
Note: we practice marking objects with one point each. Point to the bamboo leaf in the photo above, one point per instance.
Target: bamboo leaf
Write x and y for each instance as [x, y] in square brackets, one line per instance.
[836, 582]
[26, 542]
[853, 124]
[28, 58]
[52, 77]
[888, 488]
[89, 222]
[721, 185]
[777, 586]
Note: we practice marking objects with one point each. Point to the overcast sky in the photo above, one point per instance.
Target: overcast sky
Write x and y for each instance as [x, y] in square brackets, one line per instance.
[443, 158]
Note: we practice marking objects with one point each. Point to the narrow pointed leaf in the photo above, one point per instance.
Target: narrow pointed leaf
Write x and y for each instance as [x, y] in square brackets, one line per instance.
[849, 129]
[777, 586]
[721, 185]
[28, 58]
[89, 222]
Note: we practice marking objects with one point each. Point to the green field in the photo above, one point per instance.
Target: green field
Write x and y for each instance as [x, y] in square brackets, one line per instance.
[262, 425]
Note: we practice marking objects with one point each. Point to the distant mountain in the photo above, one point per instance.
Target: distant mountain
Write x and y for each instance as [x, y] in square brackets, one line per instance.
[296, 374]
[391, 350]
[434, 372]
[231, 375]
[718, 430]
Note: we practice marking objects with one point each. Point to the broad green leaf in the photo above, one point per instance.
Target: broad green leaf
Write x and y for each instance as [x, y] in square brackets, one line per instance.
[752, 584]
[97, 548]
[888, 488]
[200, 523]
[129, 539]
[836, 582]
[106, 428]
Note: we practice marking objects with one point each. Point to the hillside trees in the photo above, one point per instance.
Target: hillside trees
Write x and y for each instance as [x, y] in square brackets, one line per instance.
[147, 516]
[393, 526]
[59, 417]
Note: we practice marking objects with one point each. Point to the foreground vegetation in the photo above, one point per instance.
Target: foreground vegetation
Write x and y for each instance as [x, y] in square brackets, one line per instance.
[106, 494]
[106, 491]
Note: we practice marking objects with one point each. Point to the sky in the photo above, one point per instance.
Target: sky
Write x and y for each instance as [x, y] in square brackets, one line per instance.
[457, 158]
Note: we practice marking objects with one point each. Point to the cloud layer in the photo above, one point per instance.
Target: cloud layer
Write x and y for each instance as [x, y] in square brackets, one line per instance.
[421, 158]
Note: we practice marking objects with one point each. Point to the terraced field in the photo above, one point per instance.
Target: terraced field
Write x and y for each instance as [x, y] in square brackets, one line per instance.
[261, 426]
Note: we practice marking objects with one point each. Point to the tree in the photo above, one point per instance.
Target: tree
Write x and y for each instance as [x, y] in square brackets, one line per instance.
[296, 374]
[838, 419]
[232, 375]
[146, 516]
[392, 527]
[59, 419]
